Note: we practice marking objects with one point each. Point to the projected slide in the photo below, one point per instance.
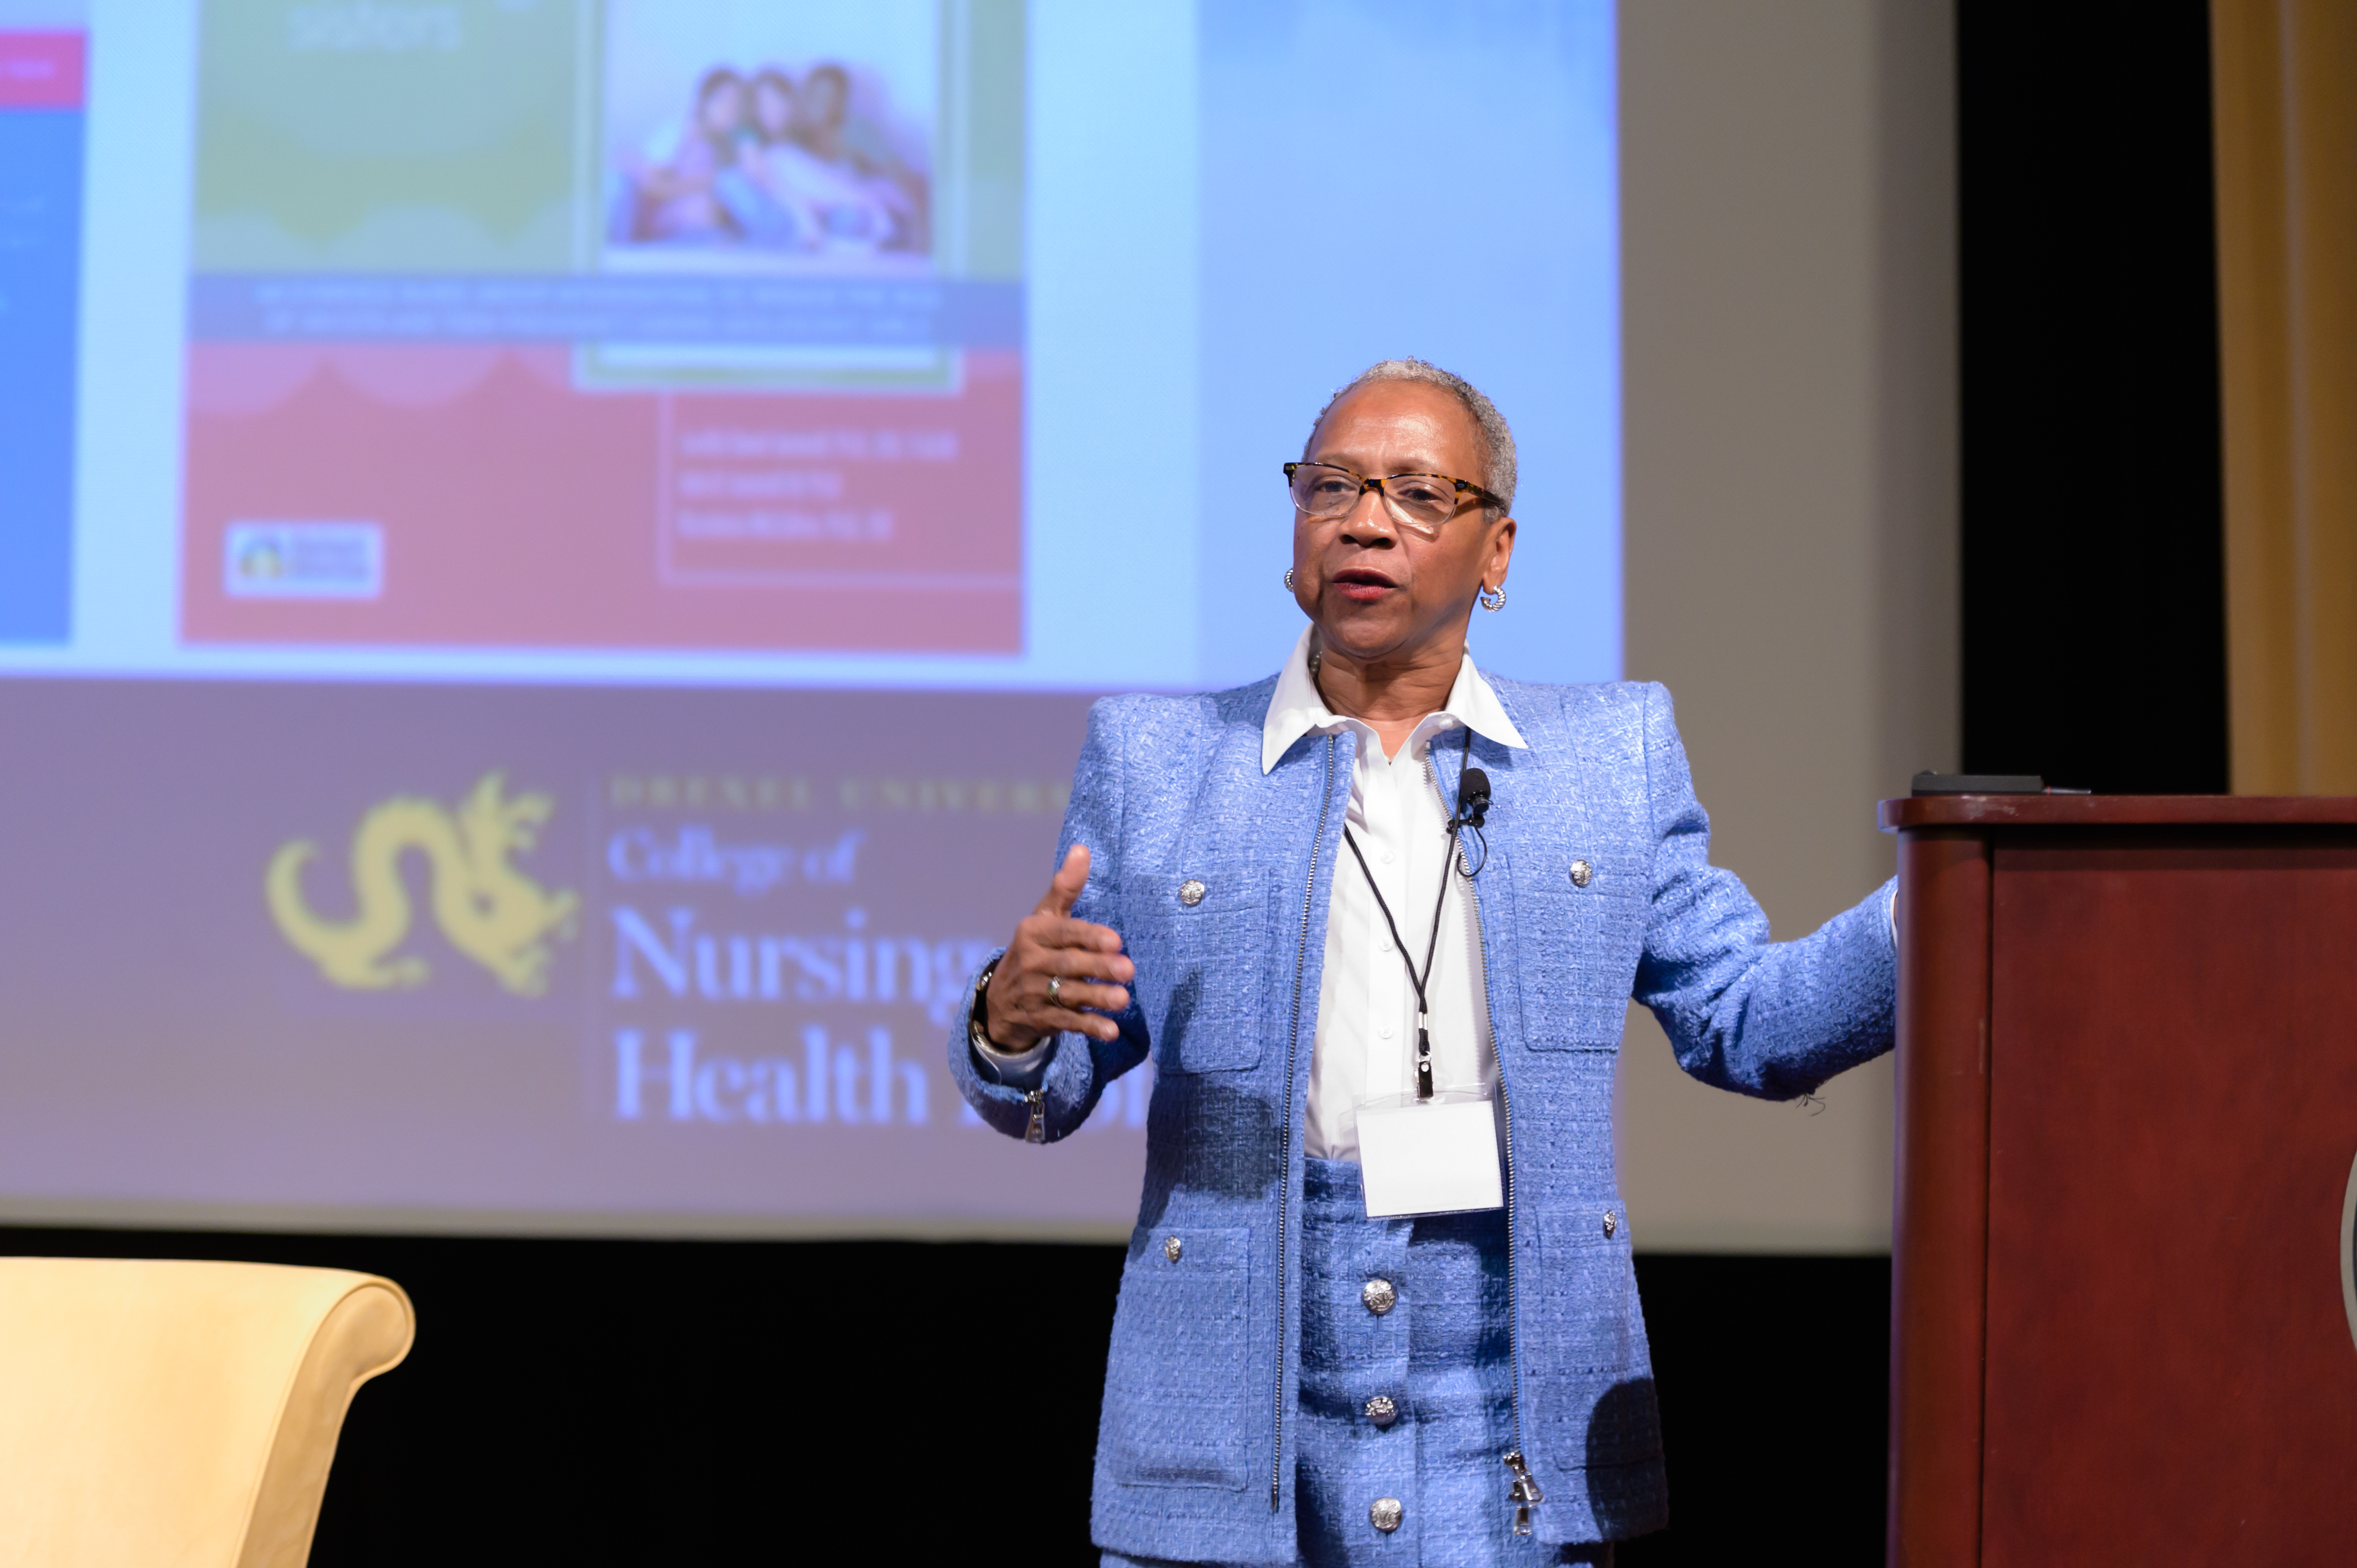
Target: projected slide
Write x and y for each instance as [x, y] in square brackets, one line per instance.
[555, 553]
[670, 326]
[472, 955]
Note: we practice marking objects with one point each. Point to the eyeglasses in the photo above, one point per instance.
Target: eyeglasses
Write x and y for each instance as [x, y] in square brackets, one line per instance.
[1418, 501]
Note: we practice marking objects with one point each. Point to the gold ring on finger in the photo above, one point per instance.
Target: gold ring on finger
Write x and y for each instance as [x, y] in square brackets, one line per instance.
[1056, 990]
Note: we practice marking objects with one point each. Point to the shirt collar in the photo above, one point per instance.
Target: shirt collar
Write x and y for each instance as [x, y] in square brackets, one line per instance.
[1296, 709]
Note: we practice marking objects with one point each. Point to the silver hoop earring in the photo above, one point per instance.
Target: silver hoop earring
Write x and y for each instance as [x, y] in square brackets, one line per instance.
[1288, 579]
[1493, 599]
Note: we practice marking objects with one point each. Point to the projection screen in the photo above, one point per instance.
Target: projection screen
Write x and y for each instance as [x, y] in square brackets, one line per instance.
[553, 554]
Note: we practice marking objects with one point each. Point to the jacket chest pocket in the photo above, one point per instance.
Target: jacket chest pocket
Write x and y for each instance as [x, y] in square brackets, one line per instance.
[1580, 921]
[1201, 941]
[1178, 1410]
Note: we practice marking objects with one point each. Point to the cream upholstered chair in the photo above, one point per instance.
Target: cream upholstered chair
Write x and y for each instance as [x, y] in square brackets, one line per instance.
[178, 1413]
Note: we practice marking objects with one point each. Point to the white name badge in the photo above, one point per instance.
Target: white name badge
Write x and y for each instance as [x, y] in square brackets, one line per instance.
[1433, 1157]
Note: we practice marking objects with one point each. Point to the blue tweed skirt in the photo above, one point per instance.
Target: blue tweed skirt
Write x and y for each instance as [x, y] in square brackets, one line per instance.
[1441, 1355]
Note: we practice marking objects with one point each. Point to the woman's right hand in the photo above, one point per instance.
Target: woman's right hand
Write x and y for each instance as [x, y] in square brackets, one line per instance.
[1084, 959]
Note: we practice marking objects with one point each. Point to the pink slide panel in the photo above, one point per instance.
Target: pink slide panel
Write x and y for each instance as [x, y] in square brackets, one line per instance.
[500, 507]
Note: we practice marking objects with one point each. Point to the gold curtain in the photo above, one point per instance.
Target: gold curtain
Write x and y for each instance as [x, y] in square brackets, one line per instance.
[2283, 75]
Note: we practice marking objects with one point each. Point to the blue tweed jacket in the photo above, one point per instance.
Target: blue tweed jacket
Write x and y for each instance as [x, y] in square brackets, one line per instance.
[1195, 1451]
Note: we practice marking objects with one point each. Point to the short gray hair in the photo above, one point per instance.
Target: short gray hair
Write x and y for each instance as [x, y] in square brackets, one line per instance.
[1496, 440]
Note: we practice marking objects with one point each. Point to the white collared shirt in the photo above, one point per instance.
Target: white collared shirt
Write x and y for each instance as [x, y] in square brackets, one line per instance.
[1365, 1046]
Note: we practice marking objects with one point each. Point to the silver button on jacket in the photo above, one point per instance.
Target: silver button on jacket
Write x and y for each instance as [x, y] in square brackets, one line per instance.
[1379, 1296]
[1383, 1410]
[1173, 1248]
[1581, 872]
[1385, 1513]
[1190, 892]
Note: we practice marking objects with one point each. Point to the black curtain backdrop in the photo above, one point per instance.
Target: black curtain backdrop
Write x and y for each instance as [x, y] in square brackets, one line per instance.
[2095, 646]
[634, 1402]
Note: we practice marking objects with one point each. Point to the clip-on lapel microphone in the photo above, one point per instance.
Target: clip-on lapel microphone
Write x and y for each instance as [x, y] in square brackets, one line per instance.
[1472, 806]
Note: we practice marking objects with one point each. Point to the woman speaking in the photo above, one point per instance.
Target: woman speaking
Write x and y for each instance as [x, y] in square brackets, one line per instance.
[1377, 919]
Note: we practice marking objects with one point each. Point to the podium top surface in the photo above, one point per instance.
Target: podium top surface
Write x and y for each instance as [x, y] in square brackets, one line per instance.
[2117, 810]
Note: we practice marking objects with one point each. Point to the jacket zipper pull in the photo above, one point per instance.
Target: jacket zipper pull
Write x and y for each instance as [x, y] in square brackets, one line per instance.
[1037, 1133]
[1523, 1493]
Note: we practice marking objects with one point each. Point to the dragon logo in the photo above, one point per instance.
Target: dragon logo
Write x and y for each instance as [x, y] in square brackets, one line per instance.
[488, 910]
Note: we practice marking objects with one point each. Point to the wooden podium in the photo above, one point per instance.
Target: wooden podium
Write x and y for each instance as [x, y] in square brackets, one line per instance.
[2123, 1322]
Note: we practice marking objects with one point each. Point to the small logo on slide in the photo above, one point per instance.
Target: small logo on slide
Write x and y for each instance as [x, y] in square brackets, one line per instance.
[487, 909]
[303, 560]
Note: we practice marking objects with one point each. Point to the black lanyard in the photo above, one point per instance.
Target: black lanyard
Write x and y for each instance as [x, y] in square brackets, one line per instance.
[1422, 1036]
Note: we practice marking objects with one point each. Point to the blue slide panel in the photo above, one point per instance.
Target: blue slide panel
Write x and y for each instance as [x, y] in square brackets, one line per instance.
[40, 255]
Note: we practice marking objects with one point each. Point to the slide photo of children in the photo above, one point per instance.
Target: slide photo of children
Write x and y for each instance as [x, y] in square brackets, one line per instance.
[794, 137]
